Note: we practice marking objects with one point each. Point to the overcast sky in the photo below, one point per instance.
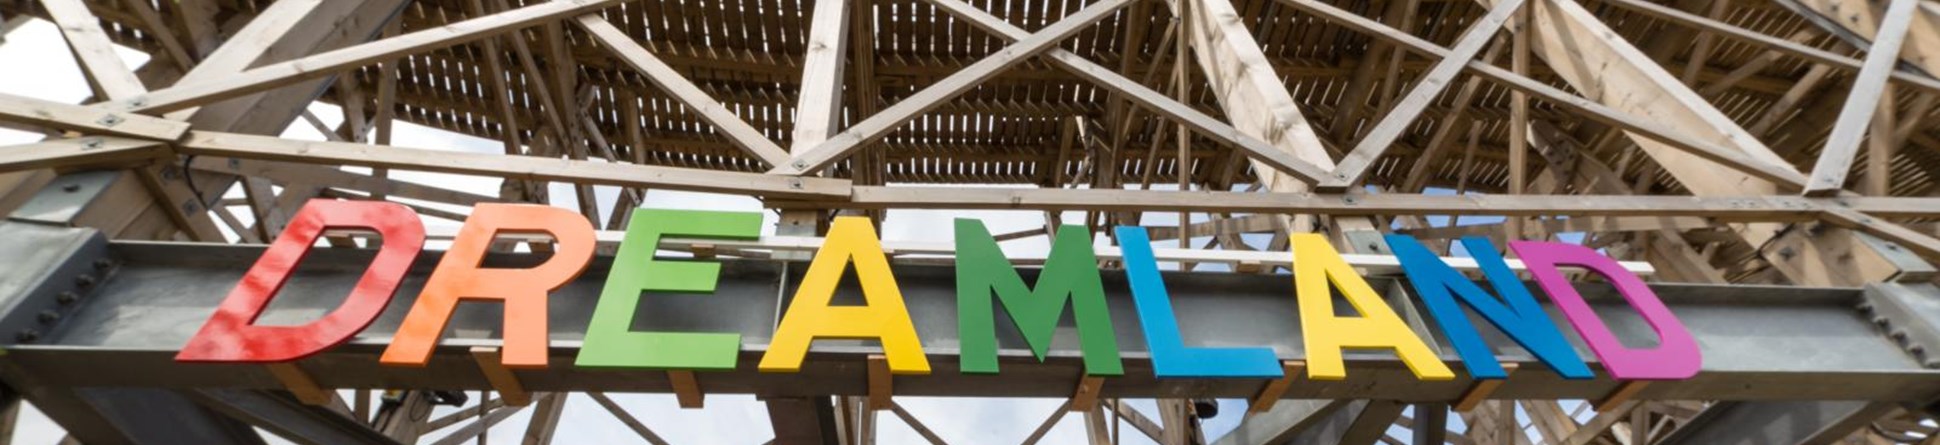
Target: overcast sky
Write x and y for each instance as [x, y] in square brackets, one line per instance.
[40, 66]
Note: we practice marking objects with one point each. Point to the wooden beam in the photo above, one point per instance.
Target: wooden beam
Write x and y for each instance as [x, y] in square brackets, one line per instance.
[679, 88]
[1862, 19]
[1769, 42]
[1759, 162]
[1158, 103]
[509, 167]
[1737, 208]
[77, 152]
[88, 120]
[1353, 166]
[93, 49]
[876, 126]
[818, 109]
[331, 62]
[1835, 161]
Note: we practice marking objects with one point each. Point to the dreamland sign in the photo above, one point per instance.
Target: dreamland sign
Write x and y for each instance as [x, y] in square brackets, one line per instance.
[1070, 278]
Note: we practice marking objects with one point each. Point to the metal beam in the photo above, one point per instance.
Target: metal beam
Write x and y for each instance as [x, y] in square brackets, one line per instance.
[1803, 423]
[176, 286]
[287, 417]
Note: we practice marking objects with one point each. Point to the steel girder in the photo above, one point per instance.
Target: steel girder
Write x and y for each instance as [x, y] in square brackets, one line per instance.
[80, 314]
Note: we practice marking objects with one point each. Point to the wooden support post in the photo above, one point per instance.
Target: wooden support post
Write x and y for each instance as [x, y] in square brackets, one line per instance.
[687, 389]
[1481, 389]
[1270, 394]
[1086, 396]
[502, 379]
[1829, 174]
[299, 383]
[1616, 398]
[881, 384]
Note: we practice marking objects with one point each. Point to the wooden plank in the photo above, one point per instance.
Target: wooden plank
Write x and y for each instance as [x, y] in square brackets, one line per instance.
[1862, 18]
[1352, 167]
[502, 379]
[77, 152]
[93, 50]
[1835, 161]
[332, 62]
[1758, 162]
[1769, 42]
[1270, 394]
[88, 120]
[876, 126]
[628, 419]
[678, 87]
[1760, 208]
[1277, 158]
[818, 109]
[510, 167]
[1253, 96]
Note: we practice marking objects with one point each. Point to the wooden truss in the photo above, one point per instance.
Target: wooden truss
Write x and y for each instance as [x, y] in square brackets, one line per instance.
[1791, 142]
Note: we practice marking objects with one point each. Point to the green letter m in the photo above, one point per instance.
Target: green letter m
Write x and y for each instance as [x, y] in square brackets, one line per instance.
[1070, 274]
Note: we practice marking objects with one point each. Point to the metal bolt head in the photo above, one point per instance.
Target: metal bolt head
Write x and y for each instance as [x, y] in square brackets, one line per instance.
[48, 316]
[71, 188]
[103, 264]
[84, 280]
[67, 298]
[108, 120]
[26, 335]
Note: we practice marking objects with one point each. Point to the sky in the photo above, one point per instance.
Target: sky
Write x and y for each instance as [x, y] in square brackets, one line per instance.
[727, 419]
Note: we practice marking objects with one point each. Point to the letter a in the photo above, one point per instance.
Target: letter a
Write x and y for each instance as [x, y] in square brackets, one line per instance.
[851, 239]
[1315, 263]
[231, 336]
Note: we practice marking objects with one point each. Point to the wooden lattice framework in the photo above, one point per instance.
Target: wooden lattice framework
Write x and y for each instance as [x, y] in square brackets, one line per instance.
[1757, 142]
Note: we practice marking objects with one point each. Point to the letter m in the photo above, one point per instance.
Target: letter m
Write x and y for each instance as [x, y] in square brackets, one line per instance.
[1070, 274]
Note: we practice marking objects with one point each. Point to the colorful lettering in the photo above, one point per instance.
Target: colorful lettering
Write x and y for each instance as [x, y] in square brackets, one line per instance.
[524, 291]
[1170, 356]
[1676, 355]
[1516, 314]
[851, 239]
[231, 335]
[609, 340]
[1070, 274]
[1315, 264]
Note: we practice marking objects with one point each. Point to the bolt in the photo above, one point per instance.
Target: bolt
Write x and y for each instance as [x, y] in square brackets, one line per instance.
[103, 264]
[1881, 321]
[84, 280]
[26, 336]
[235, 164]
[49, 316]
[1864, 306]
[1917, 349]
[91, 143]
[71, 188]
[108, 120]
[1898, 335]
[1931, 363]
[66, 297]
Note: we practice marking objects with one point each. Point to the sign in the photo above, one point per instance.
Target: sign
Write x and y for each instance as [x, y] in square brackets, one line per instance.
[984, 279]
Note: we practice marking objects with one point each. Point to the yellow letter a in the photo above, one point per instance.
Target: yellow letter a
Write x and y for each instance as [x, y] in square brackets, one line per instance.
[850, 239]
[1377, 327]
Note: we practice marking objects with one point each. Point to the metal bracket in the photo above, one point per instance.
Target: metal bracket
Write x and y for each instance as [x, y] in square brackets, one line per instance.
[1910, 314]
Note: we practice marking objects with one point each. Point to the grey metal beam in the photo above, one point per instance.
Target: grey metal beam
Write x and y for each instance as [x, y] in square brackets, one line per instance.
[174, 287]
[1758, 423]
[802, 420]
[287, 417]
